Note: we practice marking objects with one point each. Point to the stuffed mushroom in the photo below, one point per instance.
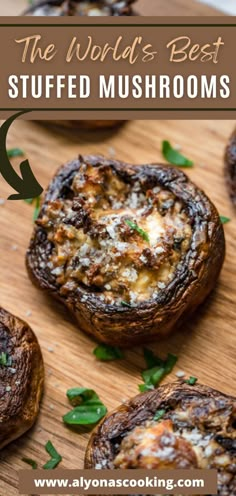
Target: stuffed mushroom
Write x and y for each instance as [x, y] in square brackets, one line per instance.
[80, 8]
[21, 377]
[130, 250]
[177, 426]
[230, 167]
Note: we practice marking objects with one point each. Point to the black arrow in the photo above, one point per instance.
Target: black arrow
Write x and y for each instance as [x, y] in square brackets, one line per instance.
[27, 186]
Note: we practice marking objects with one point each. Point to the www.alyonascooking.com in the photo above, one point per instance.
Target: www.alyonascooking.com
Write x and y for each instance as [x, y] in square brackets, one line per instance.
[147, 482]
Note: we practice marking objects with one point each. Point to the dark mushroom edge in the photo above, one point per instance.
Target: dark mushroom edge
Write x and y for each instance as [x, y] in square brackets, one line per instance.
[130, 250]
[87, 125]
[230, 167]
[196, 430]
[21, 377]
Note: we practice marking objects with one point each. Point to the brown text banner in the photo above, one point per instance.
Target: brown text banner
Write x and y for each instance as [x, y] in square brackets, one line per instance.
[118, 68]
[118, 482]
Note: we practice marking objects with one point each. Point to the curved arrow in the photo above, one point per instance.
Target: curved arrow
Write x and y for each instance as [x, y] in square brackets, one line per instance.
[26, 185]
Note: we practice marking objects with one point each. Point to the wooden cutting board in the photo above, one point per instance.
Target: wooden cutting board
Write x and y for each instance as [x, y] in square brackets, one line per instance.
[205, 346]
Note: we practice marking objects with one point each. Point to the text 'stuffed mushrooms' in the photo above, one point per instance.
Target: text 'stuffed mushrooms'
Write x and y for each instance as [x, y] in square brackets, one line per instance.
[176, 426]
[21, 377]
[132, 251]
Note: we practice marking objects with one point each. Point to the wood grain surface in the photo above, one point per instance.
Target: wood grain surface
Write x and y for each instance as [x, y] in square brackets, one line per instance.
[144, 7]
[205, 346]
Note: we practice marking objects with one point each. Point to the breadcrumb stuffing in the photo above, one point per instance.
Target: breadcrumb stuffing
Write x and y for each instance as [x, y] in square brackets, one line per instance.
[120, 239]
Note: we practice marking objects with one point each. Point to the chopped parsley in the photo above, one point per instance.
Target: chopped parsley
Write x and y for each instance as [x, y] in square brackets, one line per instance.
[107, 353]
[157, 369]
[30, 462]
[15, 152]
[5, 360]
[125, 304]
[36, 203]
[151, 359]
[170, 363]
[153, 376]
[145, 387]
[191, 381]
[135, 227]
[174, 157]
[50, 464]
[88, 407]
[224, 220]
[159, 414]
[55, 457]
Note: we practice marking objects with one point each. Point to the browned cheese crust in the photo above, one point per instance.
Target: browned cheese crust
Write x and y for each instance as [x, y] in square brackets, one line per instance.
[230, 167]
[126, 286]
[197, 430]
[21, 377]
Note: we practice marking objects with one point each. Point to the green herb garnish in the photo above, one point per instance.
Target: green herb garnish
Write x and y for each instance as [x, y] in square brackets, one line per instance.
[145, 387]
[15, 152]
[30, 462]
[36, 203]
[170, 363]
[174, 157]
[85, 414]
[153, 376]
[151, 359]
[88, 407]
[5, 360]
[79, 395]
[224, 220]
[55, 457]
[159, 414]
[107, 353]
[191, 381]
[125, 304]
[138, 229]
[157, 369]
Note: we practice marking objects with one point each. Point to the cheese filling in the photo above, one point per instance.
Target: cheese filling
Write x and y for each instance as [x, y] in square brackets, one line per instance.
[163, 445]
[120, 240]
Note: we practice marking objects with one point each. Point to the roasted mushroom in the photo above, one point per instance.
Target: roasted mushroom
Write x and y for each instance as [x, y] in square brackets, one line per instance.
[196, 429]
[130, 250]
[230, 166]
[80, 8]
[21, 377]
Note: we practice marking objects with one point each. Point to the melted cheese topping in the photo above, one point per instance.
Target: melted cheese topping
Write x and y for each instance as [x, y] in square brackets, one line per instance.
[155, 446]
[118, 239]
[162, 445]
